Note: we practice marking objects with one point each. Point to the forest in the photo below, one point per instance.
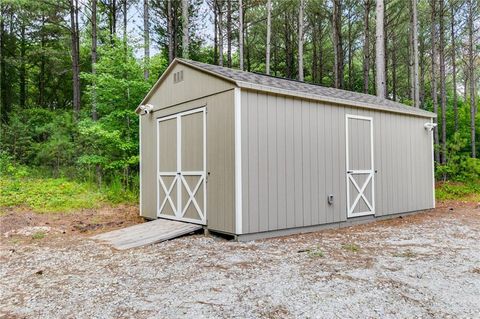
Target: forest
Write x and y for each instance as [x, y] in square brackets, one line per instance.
[72, 73]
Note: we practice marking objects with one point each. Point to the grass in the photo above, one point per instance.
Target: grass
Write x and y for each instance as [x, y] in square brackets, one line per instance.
[38, 235]
[351, 247]
[43, 195]
[458, 191]
[316, 253]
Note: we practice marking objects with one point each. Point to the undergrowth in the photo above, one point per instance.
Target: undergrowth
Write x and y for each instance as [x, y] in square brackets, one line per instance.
[22, 187]
[468, 191]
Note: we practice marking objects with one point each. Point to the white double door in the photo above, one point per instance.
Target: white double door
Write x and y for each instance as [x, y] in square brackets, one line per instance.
[360, 166]
[181, 166]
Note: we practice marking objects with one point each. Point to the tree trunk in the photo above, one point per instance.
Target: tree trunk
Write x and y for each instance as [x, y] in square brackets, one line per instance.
[454, 70]
[380, 51]
[269, 26]
[41, 82]
[220, 32]
[422, 73]
[415, 55]
[394, 68]
[94, 59]
[320, 57]
[373, 68]
[75, 56]
[337, 44]
[175, 28]
[411, 80]
[471, 73]
[247, 53]
[146, 40]
[125, 26]
[350, 50]
[275, 59]
[434, 76]
[229, 33]
[112, 20]
[185, 25]
[215, 32]
[314, 54]
[3, 74]
[23, 71]
[443, 89]
[366, 45]
[385, 39]
[240, 33]
[288, 47]
[300, 41]
[170, 31]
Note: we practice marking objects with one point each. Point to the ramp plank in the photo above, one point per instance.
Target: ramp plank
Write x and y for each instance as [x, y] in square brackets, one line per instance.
[146, 234]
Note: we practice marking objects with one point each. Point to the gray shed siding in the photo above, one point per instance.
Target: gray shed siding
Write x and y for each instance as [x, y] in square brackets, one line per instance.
[294, 155]
[198, 89]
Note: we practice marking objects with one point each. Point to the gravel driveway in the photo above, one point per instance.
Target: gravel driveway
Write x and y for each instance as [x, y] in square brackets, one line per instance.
[425, 265]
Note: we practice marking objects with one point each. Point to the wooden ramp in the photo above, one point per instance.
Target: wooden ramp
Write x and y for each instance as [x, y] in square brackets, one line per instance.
[146, 234]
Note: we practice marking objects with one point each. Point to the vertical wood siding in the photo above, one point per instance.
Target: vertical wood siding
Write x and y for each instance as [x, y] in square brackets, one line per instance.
[294, 156]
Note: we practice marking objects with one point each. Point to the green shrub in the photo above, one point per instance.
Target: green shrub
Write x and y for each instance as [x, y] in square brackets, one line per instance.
[458, 191]
[459, 166]
[38, 235]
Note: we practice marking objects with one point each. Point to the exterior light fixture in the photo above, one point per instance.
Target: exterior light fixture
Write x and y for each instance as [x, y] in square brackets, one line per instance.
[145, 109]
[430, 126]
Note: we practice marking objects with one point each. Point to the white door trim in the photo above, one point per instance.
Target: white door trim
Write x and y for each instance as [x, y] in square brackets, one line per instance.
[179, 179]
[370, 172]
[238, 161]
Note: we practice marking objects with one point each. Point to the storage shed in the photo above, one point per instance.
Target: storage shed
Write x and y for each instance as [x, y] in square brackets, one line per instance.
[255, 156]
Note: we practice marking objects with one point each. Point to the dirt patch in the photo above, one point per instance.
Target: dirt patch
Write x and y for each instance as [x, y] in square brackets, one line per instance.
[424, 265]
[20, 224]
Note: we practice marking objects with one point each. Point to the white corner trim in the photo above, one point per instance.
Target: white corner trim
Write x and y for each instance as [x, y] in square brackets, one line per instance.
[238, 161]
[433, 167]
[140, 199]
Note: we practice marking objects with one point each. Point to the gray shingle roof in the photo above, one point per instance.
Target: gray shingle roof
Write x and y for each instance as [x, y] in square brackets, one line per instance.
[261, 82]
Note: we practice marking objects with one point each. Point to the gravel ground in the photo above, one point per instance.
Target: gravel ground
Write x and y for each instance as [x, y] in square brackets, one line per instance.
[425, 265]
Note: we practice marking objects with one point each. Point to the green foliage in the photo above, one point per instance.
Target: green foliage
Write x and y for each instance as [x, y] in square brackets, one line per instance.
[458, 191]
[110, 144]
[459, 166]
[48, 194]
[8, 169]
[38, 235]
[351, 247]
[316, 253]
[19, 186]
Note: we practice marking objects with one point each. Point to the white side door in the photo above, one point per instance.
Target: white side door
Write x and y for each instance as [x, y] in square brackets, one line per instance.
[360, 171]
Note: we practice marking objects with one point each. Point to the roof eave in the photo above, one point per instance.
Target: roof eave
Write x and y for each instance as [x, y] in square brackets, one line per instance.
[265, 88]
